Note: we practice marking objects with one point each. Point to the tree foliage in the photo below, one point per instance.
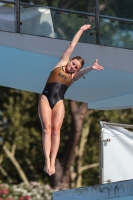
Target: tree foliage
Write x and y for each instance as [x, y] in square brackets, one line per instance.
[20, 134]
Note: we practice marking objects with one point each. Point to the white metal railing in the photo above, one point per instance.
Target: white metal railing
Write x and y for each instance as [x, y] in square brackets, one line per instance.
[96, 15]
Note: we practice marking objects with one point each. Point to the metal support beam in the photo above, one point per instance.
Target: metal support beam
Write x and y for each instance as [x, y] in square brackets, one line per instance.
[97, 22]
[17, 16]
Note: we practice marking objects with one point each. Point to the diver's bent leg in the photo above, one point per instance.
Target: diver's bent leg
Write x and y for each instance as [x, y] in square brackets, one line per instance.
[45, 118]
[57, 119]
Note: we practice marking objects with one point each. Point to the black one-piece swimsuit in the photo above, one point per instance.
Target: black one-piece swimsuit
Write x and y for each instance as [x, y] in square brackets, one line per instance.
[56, 85]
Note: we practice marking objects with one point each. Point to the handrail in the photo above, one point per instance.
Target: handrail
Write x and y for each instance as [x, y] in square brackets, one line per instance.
[79, 12]
[59, 9]
[102, 123]
[10, 2]
[97, 15]
[71, 11]
[116, 18]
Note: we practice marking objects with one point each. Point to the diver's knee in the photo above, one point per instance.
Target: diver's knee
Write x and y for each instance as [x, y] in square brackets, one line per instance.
[46, 129]
[56, 131]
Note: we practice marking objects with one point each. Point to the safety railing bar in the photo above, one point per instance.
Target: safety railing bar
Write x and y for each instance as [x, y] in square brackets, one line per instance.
[116, 124]
[71, 11]
[78, 12]
[59, 9]
[74, 12]
[10, 2]
[116, 18]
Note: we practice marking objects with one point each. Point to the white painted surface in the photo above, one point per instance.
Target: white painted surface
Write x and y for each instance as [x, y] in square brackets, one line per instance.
[109, 57]
[27, 60]
[7, 19]
[117, 155]
[36, 21]
[122, 190]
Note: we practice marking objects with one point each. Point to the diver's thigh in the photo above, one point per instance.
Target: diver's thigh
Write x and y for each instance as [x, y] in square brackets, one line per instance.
[58, 113]
[44, 111]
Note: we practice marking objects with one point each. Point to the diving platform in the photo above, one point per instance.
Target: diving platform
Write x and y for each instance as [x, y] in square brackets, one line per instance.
[26, 61]
[122, 190]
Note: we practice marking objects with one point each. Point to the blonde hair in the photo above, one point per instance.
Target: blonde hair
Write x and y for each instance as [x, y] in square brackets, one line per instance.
[81, 60]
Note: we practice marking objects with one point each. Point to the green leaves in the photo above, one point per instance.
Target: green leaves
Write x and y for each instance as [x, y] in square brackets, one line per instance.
[20, 132]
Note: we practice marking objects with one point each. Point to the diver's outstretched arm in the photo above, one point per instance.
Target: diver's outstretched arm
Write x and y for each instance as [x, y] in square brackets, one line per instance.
[86, 70]
[66, 55]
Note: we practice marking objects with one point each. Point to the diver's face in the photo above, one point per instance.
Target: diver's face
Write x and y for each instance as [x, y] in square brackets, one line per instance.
[73, 66]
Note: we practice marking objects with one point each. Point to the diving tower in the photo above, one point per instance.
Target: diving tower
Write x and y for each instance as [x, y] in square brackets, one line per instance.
[29, 49]
[27, 60]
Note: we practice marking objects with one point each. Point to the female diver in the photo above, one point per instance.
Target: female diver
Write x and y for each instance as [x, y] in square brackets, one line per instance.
[51, 106]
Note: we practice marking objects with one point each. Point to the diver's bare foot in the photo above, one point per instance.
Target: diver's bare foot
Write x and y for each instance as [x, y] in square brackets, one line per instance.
[52, 165]
[47, 167]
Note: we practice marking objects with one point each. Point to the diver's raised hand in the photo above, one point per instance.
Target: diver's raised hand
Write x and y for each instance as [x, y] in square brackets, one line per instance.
[85, 27]
[96, 66]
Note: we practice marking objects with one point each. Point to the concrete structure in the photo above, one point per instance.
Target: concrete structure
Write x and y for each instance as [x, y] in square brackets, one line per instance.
[122, 190]
[27, 60]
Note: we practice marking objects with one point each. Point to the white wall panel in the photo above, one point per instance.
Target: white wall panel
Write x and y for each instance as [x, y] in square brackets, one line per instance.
[117, 154]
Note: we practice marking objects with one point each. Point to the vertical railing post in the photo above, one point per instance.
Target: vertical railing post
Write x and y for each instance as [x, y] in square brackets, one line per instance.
[100, 153]
[18, 16]
[97, 22]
